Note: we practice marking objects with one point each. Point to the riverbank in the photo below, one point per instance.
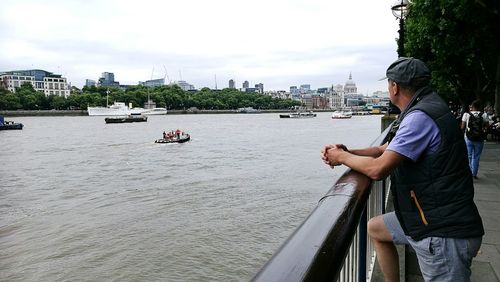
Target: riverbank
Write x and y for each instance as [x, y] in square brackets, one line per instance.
[21, 113]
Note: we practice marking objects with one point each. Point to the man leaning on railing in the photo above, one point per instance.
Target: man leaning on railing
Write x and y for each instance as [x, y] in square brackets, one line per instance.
[431, 181]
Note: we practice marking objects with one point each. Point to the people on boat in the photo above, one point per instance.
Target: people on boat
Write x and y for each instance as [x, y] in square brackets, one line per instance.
[174, 135]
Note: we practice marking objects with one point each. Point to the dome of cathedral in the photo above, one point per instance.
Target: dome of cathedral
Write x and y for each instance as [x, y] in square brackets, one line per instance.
[350, 82]
[350, 86]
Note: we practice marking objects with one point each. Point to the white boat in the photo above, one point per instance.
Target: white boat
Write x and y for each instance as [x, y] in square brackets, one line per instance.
[341, 115]
[117, 109]
[247, 110]
[149, 112]
[299, 115]
[155, 111]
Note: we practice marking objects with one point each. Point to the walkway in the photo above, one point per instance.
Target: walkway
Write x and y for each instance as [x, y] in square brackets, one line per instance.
[486, 266]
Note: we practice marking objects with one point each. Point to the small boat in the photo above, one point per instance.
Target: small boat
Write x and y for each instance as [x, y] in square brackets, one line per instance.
[9, 125]
[126, 119]
[298, 115]
[341, 115]
[181, 139]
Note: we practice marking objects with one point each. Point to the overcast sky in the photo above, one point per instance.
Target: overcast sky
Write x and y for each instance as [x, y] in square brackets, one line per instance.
[279, 43]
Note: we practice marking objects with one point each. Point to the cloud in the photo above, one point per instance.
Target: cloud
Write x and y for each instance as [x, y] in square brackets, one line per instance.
[279, 43]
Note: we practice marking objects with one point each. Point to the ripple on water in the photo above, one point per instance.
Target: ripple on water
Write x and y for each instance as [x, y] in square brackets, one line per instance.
[90, 202]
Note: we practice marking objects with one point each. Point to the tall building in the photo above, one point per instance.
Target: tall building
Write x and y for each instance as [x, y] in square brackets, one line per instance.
[294, 91]
[90, 82]
[259, 87]
[305, 88]
[42, 81]
[108, 79]
[246, 84]
[231, 84]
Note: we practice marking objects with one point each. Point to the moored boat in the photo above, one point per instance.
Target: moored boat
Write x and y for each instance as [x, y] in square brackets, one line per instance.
[341, 115]
[247, 110]
[126, 119]
[155, 111]
[298, 115]
[149, 112]
[9, 125]
[117, 109]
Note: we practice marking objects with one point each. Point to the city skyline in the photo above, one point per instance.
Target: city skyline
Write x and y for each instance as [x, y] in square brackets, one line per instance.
[279, 43]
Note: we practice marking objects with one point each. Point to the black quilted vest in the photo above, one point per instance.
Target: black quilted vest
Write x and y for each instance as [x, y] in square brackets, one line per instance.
[434, 195]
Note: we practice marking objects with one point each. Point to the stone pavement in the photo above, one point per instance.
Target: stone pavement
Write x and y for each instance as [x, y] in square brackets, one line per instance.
[486, 266]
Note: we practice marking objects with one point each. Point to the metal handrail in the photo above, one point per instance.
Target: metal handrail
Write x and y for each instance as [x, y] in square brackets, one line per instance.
[318, 248]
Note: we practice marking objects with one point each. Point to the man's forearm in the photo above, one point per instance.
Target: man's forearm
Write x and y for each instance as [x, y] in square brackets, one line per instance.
[369, 152]
[374, 167]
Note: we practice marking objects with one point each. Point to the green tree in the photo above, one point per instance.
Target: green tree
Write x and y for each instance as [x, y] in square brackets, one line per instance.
[10, 101]
[458, 39]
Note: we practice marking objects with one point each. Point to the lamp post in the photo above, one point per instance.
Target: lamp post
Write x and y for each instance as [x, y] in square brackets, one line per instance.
[400, 10]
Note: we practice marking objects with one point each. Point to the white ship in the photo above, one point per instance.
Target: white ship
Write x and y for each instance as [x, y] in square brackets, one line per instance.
[155, 111]
[149, 112]
[341, 115]
[117, 109]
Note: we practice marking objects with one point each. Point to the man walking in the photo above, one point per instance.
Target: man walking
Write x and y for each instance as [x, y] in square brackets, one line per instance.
[430, 180]
[475, 125]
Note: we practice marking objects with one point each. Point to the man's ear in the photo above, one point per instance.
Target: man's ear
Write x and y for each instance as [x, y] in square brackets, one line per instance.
[395, 87]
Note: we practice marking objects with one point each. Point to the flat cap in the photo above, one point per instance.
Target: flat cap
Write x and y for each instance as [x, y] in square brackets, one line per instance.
[405, 69]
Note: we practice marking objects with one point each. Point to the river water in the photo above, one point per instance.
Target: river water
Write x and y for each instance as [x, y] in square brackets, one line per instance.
[81, 200]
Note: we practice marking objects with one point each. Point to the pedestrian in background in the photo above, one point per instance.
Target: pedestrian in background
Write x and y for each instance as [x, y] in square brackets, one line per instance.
[475, 124]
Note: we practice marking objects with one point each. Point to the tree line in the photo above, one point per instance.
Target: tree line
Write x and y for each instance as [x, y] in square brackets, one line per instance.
[171, 97]
[458, 40]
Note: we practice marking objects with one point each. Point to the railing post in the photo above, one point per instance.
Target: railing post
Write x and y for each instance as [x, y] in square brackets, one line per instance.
[384, 185]
[362, 235]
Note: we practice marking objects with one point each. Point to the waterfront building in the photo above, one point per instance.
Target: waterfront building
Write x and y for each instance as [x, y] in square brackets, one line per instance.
[251, 90]
[184, 85]
[231, 84]
[107, 79]
[305, 88]
[42, 81]
[322, 90]
[320, 102]
[307, 101]
[336, 97]
[282, 94]
[153, 82]
[259, 87]
[90, 82]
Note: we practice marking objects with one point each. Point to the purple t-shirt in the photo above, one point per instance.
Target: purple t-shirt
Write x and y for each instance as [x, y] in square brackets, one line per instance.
[417, 135]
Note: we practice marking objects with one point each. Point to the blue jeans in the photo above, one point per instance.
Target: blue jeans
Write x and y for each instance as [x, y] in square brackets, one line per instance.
[474, 149]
